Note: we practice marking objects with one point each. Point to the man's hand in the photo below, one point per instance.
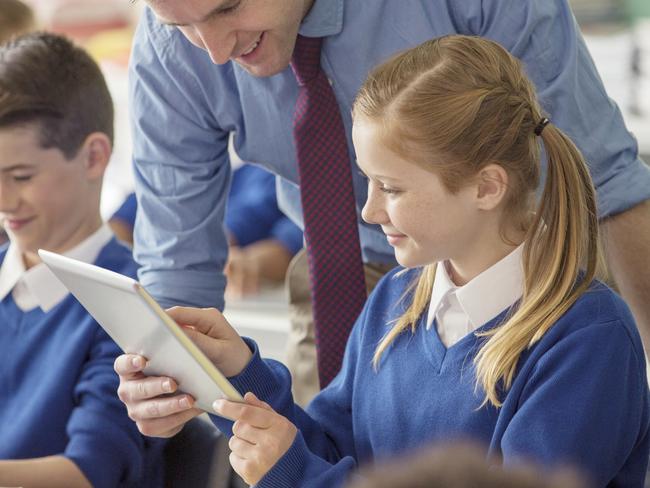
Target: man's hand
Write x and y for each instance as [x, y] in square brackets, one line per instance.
[626, 238]
[260, 436]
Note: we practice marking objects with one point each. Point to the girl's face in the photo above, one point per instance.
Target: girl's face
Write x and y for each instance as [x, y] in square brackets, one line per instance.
[422, 220]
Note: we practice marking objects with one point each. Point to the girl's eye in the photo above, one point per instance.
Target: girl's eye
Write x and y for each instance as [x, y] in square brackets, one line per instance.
[22, 178]
[390, 191]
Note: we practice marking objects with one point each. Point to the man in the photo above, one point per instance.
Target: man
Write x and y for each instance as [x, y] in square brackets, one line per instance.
[204, 68]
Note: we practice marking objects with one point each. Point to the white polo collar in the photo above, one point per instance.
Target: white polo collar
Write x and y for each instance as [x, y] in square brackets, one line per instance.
[37, 286]
[485, 296]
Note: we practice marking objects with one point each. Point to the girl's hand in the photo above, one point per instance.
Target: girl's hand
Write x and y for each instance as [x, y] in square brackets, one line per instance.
[260, 436]
[210, 331]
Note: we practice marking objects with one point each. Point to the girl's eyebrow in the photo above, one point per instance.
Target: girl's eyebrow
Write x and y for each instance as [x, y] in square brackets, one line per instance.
[376, 177]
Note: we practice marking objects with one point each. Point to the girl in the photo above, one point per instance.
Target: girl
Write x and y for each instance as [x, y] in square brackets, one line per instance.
[495, 329]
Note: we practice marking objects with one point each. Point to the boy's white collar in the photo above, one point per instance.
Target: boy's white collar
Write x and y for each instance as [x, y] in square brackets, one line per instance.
[38, 286]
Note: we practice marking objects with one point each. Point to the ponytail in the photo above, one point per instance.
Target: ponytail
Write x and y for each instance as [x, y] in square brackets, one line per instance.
[560, 259]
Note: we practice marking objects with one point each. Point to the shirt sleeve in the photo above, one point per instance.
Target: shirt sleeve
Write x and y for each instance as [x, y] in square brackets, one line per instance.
[323, 453]
[181, 168]
[103, 442]
[588, 387]
[546, 37]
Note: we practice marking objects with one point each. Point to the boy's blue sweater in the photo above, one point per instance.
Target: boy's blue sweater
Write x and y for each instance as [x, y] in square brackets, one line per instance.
[58, 390]
[580, 396]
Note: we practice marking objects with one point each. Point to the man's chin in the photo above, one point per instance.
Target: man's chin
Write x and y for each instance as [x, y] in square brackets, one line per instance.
[263, 70]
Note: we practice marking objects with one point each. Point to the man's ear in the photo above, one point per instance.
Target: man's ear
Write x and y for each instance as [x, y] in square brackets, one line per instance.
[491, 186]
[96, 152]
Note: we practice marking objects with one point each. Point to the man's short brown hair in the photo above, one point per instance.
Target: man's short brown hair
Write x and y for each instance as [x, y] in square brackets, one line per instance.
[47, 80]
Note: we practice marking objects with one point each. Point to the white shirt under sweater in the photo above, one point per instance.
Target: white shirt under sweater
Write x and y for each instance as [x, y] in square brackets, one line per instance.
[459, 310]
[38, 286]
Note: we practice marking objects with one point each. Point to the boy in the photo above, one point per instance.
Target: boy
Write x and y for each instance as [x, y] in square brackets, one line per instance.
[61, 423]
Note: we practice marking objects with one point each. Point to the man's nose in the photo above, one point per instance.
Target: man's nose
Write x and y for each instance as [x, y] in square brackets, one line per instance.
[218, 42]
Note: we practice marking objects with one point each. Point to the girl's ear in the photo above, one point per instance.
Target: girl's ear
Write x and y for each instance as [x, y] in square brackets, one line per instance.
[96, 152]
[492, 185]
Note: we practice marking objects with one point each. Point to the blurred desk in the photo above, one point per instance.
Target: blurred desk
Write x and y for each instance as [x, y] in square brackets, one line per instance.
[264, 318]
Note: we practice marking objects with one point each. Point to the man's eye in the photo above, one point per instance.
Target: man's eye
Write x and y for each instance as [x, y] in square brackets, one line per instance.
[20, 178]
[231, 9]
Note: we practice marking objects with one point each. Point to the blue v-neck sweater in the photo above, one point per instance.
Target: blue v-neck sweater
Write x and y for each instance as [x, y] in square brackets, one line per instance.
[58, 390]
[580, 396]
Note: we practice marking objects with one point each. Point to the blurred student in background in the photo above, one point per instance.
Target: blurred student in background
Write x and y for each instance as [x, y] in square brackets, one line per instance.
[262, 239]
[61, 423]
[15, 18]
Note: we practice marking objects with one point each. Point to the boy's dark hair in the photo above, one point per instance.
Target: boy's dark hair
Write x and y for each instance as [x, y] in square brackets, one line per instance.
[46, 79]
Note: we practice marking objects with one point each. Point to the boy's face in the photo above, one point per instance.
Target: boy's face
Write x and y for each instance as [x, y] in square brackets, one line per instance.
[46, 201]
[259, 35]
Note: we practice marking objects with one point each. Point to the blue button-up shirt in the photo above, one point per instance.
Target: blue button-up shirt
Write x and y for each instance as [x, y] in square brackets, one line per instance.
[184, 108]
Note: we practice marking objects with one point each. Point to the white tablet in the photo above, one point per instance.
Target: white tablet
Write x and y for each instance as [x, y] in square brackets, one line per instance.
[139, 325]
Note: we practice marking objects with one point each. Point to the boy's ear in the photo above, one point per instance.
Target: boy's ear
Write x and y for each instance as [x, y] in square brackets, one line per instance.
[491, 187]
[96, 151]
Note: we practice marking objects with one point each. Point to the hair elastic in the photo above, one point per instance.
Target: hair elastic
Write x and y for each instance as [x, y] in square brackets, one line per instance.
[540, 127]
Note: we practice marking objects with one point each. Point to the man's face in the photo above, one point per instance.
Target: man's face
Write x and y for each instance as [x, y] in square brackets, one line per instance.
[259, 35]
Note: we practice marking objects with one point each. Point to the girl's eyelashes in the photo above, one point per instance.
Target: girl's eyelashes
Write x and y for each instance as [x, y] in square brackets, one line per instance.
[382, 187]
[389, 191]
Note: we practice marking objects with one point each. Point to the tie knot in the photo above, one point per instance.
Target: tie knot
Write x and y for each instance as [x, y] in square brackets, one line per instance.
[305, 61]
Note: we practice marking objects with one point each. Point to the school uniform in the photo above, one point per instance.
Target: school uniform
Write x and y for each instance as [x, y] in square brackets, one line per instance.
[57, 384]
[579, 397]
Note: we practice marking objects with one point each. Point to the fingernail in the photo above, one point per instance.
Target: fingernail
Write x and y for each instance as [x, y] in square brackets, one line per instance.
[167, 386]
[218, 405]
[136, 362]
[184, 402]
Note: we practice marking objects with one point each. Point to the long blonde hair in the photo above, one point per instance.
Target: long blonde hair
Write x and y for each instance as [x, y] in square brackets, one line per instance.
[469, 101]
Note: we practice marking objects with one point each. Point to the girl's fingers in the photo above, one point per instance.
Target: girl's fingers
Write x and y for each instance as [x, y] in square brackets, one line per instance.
[241, 447]
[251, 399]
[207, 321]
[254, 415]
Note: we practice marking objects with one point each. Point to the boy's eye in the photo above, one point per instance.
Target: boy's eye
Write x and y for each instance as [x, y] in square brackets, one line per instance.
[21, 178]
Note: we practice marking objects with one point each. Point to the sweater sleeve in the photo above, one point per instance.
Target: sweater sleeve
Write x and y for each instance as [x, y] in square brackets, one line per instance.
[104, 443]
[323, 452]
[585, 403]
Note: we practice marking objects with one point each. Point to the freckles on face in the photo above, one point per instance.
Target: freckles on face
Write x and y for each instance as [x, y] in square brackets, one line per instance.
[422, 220]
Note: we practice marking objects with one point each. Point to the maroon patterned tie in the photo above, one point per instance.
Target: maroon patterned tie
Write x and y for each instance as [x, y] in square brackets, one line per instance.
[329, 211]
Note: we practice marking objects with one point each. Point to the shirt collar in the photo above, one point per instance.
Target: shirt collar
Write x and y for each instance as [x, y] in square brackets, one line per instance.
[324, 19]
[43, 286]
[485, 296]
